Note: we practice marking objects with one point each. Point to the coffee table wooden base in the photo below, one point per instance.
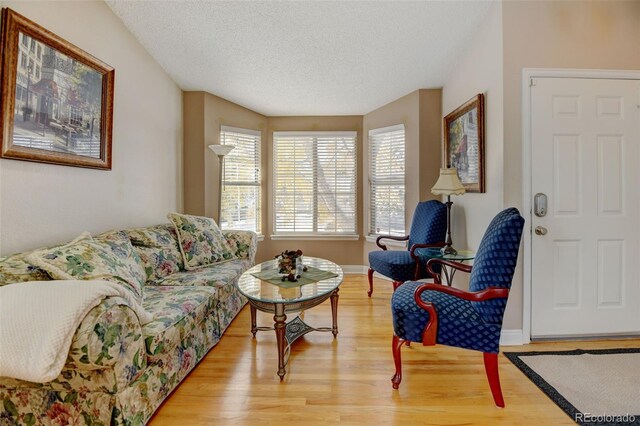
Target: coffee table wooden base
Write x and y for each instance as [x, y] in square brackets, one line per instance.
[287, 333]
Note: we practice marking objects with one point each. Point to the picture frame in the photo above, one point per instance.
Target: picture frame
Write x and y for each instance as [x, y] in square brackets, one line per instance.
[57, 99]
[464, 143]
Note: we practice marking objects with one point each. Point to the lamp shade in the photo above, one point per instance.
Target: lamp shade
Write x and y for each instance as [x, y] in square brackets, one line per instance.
[448, 183]
[221, 150]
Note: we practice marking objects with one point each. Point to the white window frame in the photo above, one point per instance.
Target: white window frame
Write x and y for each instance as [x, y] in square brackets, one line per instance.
[313, 235]
[258, 184]
[372, 236]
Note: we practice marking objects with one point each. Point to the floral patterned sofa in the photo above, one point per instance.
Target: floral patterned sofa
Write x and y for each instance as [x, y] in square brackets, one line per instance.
[117, 371]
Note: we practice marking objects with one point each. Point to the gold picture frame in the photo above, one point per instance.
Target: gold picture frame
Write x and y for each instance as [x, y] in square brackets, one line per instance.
[57, 100]
[464, 143]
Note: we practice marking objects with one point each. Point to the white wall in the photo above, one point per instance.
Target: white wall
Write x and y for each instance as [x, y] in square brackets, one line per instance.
[43, 204]
[480, 71]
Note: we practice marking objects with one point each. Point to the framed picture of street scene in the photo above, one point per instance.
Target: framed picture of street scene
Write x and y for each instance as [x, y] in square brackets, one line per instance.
[57, 100]
[464, 143]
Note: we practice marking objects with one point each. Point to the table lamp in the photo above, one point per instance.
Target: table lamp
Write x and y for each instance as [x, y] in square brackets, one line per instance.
[221, 151]
[448, 184]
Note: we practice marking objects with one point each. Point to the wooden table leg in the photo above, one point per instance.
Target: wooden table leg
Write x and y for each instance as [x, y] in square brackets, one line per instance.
[279, 318]
[254, 329]
[334, 312]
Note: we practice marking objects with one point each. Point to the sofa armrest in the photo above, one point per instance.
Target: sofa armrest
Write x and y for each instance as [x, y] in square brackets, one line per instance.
[245, 243]
[110, 336]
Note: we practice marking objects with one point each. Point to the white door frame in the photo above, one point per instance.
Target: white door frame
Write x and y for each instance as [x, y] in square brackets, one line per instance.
[527, 75]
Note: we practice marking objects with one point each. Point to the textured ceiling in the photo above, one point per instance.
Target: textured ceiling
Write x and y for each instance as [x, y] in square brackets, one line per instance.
[305, 58]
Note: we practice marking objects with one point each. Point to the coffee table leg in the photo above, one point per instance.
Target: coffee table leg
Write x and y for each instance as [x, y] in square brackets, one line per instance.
[280, 327]
[254, 329]
[334, 312]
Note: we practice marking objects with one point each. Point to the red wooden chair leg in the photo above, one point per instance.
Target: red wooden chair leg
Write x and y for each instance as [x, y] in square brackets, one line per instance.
[370, 276]
[396, 345]
[491, 366]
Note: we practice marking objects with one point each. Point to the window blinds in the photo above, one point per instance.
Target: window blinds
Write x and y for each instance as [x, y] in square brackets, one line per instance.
[241, 196]
[314, 183]
[386, 180]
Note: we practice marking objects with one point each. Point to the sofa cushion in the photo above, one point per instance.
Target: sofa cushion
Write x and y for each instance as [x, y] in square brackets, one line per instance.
[217, 275]
[177, 312]
[201, 241]
[158, 249]
[111, 258]
[15, 269]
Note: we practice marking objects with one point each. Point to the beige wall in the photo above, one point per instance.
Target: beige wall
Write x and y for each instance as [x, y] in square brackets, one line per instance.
[420, 112]
[342, 252]
[480, 71]
[45, 204]
[589, 35]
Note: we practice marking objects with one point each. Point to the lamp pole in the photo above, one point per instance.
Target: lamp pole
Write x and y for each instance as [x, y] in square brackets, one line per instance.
[221, 151]
[448, 248]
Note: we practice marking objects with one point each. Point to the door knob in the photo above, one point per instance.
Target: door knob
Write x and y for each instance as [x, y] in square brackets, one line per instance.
[540, 230]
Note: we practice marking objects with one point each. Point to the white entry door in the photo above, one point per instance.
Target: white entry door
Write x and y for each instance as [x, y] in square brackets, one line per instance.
[585, 156]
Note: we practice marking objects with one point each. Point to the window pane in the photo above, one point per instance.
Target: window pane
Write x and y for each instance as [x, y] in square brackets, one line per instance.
[241, 196]
[240, 208]
[315, 182]
[387, 181]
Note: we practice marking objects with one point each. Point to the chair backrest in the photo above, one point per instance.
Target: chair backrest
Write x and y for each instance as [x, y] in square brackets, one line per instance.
[495, 261]
[429, 224]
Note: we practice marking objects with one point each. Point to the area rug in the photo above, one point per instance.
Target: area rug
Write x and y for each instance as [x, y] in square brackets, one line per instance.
[594, 387]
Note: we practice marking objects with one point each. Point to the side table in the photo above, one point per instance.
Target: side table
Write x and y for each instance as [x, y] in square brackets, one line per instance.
[434, 253]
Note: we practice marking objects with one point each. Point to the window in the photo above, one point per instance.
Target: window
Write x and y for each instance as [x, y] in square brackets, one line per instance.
[314, 184]
[241, 197]
[39, 52]
[386, 181]
[25, 39]
[32, 48]
[37, 72]
[23, 60]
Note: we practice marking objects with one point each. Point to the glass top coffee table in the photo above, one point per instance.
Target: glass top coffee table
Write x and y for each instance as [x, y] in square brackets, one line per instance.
[272, 298]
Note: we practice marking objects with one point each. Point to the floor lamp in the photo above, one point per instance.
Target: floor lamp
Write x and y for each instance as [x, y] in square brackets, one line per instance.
[448, 184]
[221, 151]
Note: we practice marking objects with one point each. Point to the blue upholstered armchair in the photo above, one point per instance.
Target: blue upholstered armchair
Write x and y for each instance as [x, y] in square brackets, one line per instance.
[435, 313]
[428, 229]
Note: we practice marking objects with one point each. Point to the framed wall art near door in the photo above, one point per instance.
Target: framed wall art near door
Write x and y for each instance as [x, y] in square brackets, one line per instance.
[57, 100]
[464, 143]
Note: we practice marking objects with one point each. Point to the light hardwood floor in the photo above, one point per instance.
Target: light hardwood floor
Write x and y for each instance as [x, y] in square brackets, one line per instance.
[347, 380]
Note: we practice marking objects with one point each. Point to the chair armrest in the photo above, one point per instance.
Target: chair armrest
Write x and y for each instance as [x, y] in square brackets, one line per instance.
[109, 336]
[416, 259]
[389, 237]
[429, 334]
[244, 243]
[456, 265]
[419, 246]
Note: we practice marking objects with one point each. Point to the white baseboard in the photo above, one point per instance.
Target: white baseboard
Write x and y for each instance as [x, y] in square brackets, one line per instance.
[361, 269]
[511, 338]
[354, 269]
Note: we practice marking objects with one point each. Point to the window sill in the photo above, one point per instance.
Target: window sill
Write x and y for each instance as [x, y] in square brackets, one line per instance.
[386, 242]
[260, 237]
[316, 237]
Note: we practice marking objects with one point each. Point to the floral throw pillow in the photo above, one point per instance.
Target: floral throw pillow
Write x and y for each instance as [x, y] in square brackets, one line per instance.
[111, 258]
[15, 269]
[201, 241]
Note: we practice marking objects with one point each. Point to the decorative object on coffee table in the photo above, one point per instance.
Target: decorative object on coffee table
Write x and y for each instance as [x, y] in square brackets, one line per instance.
[448, 184]
[57, 99]
[290, 264]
